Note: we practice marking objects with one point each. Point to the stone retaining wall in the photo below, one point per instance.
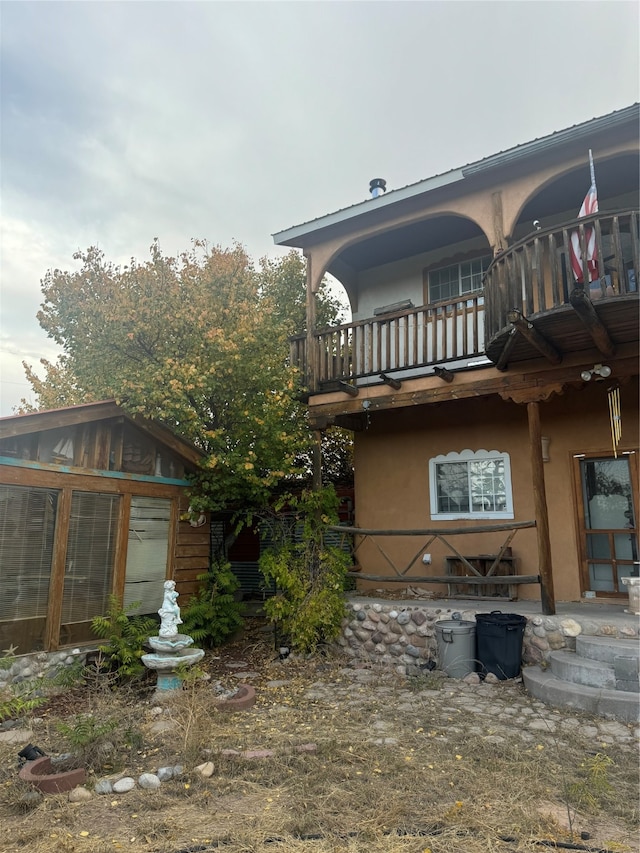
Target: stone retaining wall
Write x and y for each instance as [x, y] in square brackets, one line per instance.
[403, 636]
[39, 665]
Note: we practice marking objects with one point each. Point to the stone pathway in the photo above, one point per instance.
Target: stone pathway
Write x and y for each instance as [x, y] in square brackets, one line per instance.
[497, 712]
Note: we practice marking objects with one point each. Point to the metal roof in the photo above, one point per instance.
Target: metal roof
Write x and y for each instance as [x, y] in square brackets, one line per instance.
[291, 236]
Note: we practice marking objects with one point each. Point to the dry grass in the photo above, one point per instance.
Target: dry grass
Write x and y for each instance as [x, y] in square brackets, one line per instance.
[438, 784]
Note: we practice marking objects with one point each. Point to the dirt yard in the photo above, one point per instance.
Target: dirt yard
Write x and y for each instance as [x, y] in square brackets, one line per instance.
[397, 766]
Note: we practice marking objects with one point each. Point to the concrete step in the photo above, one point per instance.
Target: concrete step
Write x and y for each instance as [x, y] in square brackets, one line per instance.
[568, 666]
[606, 649]
[602, 702]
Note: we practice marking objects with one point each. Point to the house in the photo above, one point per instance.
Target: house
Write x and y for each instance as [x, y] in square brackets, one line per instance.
[90, 505]
[490, 369]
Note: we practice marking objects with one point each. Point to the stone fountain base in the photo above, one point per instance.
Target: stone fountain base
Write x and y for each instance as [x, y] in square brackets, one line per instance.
[170, 654]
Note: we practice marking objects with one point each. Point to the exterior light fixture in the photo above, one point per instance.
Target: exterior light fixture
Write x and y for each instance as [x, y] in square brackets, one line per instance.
[545, 441]
[600, 371]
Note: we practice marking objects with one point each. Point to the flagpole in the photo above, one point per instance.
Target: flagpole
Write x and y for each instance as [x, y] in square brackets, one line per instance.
[591, 169]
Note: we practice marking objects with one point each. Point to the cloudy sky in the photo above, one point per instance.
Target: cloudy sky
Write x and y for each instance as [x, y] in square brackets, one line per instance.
[229, 121]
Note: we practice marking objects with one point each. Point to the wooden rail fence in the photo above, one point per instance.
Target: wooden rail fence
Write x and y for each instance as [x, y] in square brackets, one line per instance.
[474, 577]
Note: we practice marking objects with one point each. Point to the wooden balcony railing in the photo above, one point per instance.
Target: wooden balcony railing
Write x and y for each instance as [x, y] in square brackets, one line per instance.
[534, 276]
[401, 341]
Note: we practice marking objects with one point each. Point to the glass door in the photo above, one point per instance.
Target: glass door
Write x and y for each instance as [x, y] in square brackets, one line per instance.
[609, 541]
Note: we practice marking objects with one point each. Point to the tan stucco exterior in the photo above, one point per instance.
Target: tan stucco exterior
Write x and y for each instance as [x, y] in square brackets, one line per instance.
[392, 475]
[383, 252]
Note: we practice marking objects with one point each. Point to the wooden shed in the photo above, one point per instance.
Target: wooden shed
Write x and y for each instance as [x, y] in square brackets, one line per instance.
[90, 505]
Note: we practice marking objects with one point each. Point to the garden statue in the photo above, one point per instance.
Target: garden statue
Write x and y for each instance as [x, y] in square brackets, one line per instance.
[171, 653]
[169, 612]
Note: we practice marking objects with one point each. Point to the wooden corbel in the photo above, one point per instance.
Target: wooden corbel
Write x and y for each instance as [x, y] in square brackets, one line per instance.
[389, 380]
[583, 307]
[534, 337]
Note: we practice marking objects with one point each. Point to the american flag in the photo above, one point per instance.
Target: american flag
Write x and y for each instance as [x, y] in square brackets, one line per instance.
[589, 206]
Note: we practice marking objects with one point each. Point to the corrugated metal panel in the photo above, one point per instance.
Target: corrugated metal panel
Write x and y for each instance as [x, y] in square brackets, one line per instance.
[251, 578]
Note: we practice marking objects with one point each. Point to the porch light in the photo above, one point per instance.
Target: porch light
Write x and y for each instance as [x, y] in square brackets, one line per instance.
[600, 371]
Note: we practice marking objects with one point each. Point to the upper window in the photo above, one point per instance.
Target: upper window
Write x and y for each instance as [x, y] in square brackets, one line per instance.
[457, 279]
[471, 485]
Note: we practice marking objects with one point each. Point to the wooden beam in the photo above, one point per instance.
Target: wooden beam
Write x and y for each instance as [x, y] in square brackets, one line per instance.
[443, 373]
[536, 339]
[583, 307]
[503, 362]
[547, 598]
[457, 579]
[389, 380]
[436, 531]
[469, 386]
[351, 390]
[355, 423]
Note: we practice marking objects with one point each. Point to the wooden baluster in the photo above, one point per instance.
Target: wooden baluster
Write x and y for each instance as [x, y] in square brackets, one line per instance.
[618, 259]
[633, 227]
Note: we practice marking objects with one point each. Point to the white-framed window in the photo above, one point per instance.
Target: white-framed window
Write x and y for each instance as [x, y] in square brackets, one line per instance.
[457, 279]
[471, 484]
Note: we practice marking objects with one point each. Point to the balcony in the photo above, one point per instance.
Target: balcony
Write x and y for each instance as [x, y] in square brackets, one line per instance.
[530, 307]
[392, 346]
[533, 306]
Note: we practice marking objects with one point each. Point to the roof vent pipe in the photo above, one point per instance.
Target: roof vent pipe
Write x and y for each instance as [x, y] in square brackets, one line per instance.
[377, 187]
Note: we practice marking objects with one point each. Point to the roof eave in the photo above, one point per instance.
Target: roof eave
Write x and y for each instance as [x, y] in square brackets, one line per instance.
[302, 235]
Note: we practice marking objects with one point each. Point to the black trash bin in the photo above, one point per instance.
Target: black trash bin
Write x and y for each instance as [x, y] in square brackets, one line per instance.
[499, 643]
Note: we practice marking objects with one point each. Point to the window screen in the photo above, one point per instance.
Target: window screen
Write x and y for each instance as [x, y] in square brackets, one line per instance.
[88, 579]
[27, 528]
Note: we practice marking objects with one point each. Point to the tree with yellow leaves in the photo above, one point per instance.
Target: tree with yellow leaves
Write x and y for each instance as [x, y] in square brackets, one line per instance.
[198, 342]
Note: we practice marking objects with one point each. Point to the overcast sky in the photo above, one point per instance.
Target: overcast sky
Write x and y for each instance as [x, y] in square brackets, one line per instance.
[229, 121]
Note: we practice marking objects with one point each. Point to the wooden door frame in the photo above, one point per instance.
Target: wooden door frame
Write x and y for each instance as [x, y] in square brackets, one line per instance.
[631, 453]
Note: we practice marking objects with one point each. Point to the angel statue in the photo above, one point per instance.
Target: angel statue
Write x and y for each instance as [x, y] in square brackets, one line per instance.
[169, 612]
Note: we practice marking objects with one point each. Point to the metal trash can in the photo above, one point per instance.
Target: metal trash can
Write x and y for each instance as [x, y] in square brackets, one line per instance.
[499, 643]
[456, 647]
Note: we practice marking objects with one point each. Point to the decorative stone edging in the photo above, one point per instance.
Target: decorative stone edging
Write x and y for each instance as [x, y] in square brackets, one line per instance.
[404, 637]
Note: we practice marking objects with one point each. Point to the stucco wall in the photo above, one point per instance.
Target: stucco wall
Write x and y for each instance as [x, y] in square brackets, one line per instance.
[392, 475]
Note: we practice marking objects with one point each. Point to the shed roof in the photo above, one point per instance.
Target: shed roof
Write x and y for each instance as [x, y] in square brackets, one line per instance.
[31, 422]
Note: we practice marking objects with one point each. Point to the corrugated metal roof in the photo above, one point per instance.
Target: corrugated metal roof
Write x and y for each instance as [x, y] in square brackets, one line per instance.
[520, 151]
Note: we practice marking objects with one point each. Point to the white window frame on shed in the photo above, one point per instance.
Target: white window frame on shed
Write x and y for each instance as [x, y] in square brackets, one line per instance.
[477, 478]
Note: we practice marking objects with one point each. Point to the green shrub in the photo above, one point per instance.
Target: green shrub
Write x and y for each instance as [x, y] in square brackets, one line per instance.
[213, 615]
[126, 636]
[309, 575]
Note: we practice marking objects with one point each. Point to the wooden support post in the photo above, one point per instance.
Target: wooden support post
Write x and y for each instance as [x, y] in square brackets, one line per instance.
[311, 378]
[316, 482]
[542, 516]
